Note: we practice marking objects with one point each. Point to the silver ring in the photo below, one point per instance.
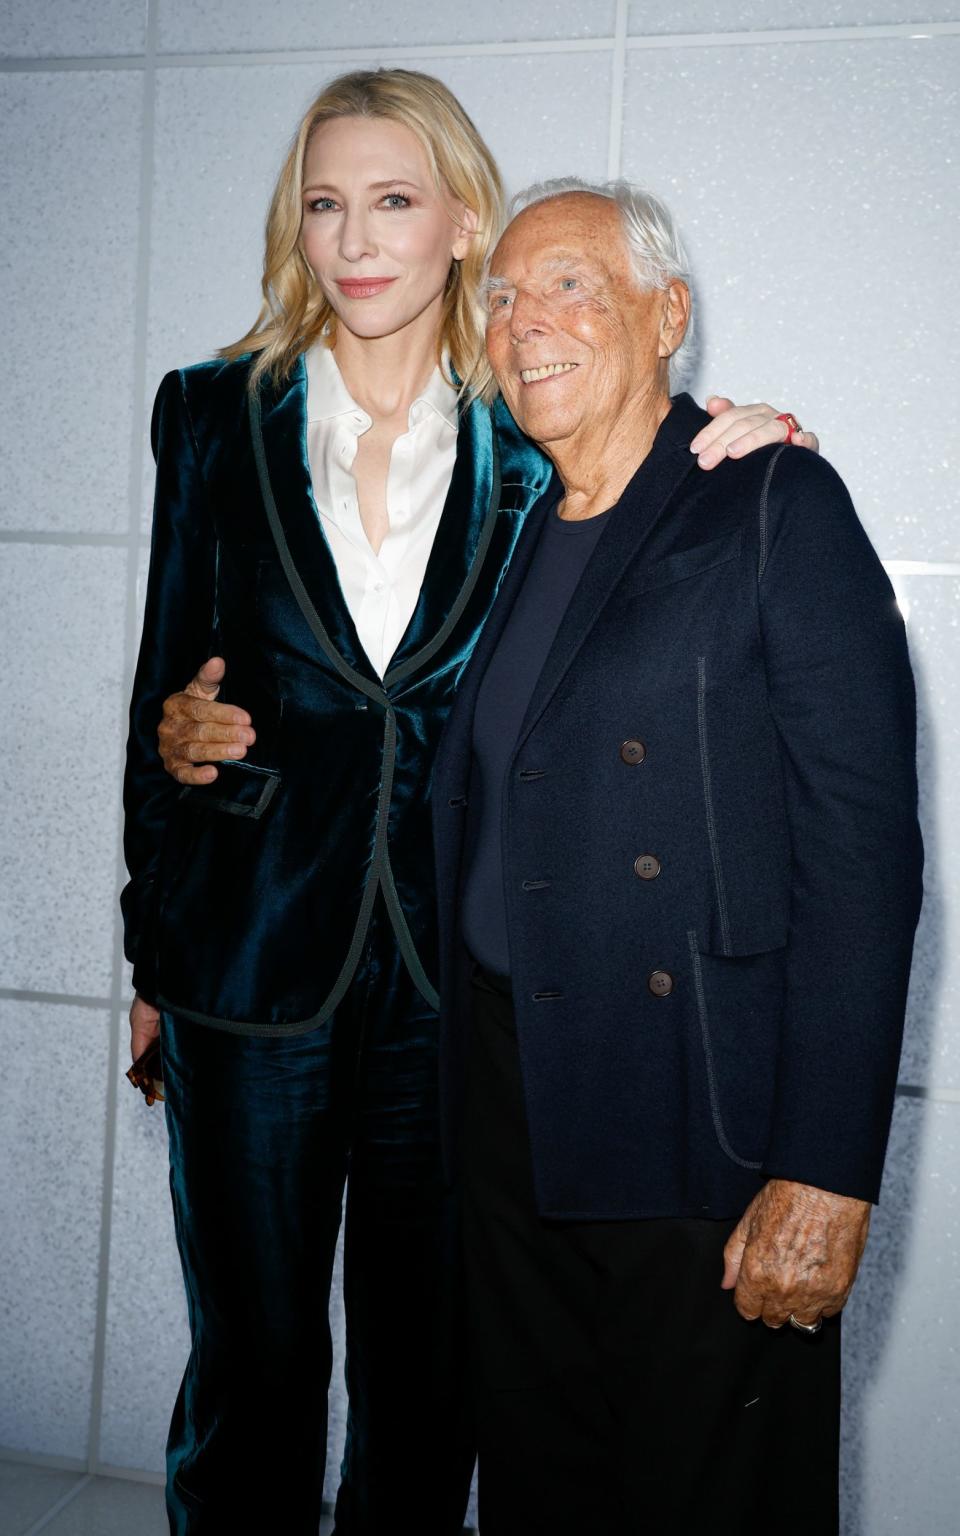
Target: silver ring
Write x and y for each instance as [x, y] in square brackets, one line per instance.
[805, 1327]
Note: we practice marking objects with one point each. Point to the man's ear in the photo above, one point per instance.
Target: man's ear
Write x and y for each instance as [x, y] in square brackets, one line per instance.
[468, 223]
[675, 317]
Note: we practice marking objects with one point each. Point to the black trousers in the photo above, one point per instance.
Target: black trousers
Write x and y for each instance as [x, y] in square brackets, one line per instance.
[618, 1390]
[263, 1133]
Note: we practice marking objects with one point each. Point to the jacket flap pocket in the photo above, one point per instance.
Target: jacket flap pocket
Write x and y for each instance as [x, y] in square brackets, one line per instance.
[681, 566]
[739, 942]
[240, 789]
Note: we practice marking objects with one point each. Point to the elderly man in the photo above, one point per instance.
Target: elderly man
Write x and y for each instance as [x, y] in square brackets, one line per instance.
[679, 875]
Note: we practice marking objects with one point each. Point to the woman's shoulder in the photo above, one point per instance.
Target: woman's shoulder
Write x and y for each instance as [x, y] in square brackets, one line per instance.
[521, 461]
[212, 378]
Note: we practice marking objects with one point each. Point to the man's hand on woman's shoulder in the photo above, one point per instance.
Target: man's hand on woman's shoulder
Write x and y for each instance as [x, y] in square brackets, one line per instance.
[196, 732]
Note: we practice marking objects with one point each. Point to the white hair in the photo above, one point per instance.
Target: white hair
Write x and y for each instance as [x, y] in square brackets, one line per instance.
[657, 253]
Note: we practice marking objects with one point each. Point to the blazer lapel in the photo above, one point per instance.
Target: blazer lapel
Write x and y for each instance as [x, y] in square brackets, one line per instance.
[459, 547]
[632, 525]
[278, 425]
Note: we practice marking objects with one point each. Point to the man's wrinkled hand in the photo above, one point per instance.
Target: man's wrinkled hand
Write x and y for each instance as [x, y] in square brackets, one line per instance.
[795, 1250]
[195, 732]
[737, 430]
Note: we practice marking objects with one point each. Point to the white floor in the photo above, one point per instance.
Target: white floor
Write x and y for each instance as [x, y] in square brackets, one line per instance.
[34, 1499]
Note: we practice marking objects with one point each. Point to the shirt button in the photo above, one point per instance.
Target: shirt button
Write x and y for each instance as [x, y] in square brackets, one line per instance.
[660, 983]
[633, 752]
[647, 866]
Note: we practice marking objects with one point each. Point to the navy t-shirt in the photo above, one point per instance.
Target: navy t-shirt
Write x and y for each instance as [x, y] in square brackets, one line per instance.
[559, 560]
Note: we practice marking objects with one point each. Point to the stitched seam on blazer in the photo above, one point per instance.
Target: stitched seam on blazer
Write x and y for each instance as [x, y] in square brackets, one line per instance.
[347, 970]
[764, 494]
[708, 1057]
[290, 570]
[712, 834]
[408, 949]
[397, 674]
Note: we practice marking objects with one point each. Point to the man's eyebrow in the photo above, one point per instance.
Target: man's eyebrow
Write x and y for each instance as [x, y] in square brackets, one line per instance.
[556, 263]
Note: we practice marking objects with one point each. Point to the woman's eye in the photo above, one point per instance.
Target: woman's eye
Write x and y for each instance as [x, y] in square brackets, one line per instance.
[396, 200]
[321, 204]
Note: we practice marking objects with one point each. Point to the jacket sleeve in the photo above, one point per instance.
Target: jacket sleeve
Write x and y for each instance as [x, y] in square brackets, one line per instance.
[178, 631]
[842, 696]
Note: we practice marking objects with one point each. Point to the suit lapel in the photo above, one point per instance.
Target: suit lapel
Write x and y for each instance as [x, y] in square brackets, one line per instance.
[633, 524]
[278, 424]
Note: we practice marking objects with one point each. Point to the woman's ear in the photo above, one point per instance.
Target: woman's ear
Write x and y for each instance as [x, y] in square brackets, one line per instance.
[468, 223]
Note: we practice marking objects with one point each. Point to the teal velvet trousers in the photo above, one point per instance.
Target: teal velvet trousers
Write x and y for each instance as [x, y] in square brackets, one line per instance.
[264, 1132]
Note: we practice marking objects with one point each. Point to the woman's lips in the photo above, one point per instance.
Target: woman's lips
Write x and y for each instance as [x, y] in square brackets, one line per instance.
[363, 287]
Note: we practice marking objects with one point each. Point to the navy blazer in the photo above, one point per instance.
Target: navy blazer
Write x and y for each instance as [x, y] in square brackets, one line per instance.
[249, 899]
[740, 626]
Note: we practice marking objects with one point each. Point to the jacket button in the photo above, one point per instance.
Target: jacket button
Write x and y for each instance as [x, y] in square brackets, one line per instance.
[633, 752]
[660, 983]
[647, 866]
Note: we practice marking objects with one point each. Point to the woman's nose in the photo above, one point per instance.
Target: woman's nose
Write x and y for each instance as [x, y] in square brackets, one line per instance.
[356, 238]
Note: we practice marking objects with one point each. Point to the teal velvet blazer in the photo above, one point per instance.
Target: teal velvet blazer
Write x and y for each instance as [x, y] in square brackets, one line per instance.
[249, 899]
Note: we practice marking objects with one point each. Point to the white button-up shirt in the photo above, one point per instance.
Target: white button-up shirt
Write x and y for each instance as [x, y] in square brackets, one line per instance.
[380, 590]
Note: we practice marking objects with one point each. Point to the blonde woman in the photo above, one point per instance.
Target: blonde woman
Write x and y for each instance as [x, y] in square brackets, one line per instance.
[334, 512]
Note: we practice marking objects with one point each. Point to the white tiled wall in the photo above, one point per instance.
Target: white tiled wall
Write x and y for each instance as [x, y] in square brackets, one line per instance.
[811, 158]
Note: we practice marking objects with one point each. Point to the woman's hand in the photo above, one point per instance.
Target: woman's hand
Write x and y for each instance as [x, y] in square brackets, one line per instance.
[738, 429]
[194, 730]
[144, 1026]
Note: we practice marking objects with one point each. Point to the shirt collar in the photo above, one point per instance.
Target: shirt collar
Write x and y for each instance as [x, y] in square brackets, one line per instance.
[328, 396]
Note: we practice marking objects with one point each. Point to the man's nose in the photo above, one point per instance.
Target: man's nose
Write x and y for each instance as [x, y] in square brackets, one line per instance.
[356, 236]
[528, 318]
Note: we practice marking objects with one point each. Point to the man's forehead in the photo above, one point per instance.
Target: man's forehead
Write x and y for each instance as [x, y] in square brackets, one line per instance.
[570, 230]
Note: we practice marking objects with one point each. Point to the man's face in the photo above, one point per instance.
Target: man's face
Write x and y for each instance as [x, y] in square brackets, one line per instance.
[570, 336]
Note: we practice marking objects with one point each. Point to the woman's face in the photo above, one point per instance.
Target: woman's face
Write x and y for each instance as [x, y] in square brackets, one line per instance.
[375, 231]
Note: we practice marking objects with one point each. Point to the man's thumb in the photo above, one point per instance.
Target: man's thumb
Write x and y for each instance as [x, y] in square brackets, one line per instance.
[206, 684]
[732, 1256]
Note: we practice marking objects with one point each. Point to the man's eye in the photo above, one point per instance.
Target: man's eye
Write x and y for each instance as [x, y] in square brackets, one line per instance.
[500, 301]
[568, 284]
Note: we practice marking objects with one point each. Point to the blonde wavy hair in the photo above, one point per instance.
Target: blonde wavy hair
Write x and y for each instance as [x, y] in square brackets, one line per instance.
[294, 312]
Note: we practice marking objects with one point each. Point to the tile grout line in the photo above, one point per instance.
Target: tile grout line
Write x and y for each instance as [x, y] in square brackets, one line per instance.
[151, 61]
[51, 536]
[618, 71]
[130, 639]
[62, 999]
[51, 1514]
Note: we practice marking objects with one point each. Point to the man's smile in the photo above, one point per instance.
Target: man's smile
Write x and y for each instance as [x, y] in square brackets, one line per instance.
[546, 371]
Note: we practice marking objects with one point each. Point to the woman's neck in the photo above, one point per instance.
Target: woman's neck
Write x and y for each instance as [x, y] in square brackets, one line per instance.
[385, 374]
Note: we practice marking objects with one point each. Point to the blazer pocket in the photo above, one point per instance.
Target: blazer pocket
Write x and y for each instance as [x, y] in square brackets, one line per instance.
[240, 789]
[739, 1005]
[681, 566]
